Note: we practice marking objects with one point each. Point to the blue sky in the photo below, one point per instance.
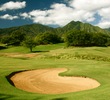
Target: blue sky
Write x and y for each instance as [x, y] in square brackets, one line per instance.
[55, 13]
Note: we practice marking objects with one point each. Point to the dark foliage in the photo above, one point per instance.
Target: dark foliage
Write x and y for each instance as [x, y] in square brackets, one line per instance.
[29, 42]
[48, 38]
[14, 38]
[85, 34]
[3, 47]
[84, 39]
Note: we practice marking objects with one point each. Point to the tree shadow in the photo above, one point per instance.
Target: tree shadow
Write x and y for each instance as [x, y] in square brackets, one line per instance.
[39, 51]
[38, 98]
[59, 99]
[3, 47]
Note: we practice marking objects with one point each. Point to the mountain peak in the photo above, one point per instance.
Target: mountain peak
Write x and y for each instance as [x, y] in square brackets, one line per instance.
[77, 25]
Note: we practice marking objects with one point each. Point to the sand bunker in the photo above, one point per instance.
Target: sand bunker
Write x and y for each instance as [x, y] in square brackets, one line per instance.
[47, 81]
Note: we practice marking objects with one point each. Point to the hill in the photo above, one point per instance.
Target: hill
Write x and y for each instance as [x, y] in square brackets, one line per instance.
[82, 27]
[35, 29]
[108, 29]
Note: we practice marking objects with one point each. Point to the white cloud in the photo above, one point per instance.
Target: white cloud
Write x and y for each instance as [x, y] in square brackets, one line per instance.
[38, 13]
[59, 14]
[104, 12]
[89, 4]
[105, 17]
[8, 17]
[25, 15]
[12, 5]
[77, 10]
[104, 24]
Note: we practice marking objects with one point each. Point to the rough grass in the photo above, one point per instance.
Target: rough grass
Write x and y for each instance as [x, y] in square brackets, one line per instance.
[56, 56]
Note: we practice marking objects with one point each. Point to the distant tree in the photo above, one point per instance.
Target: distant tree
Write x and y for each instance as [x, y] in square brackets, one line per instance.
[14, 38]
[100, 39]
[29, 42]
[108, 41]
[48, 38]
[5, 39]
[82, 38]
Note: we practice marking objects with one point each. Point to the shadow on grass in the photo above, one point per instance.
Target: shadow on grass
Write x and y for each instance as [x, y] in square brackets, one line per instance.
[21, 58]
[59, 99]
[2, 47]
[39, 51]
[5, 96]
[38, 98]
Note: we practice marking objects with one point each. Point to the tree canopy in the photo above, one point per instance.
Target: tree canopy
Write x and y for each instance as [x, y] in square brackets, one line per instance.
[82, 38]
[14, 38]
[48, 38]
[29, 42]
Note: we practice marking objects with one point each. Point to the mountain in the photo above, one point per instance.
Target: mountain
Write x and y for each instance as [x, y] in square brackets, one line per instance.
[35, 29]
[108, 29]
[82, 27]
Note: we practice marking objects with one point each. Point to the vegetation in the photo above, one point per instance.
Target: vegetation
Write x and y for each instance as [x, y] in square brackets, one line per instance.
[85, 39]
[32, 29]
[48, 38]
[93, 62]
[29, 42]
[15, 38]
[76, 65]
[77, 34]
[79, 26]
[108, 29]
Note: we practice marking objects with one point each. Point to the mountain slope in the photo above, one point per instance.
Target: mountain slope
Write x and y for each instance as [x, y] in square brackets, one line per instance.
[108, 29]
[33, 29]
[82, 27]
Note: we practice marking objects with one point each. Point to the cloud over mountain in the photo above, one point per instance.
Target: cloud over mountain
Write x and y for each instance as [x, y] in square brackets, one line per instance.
[78, 10]
[59, 14]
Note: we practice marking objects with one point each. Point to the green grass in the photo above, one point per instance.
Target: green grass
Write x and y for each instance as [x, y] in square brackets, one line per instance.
[56, 56]
[41, 48]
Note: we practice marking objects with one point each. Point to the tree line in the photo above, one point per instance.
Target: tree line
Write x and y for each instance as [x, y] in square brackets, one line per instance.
[71, 38]
[28, 40]
[86, 39]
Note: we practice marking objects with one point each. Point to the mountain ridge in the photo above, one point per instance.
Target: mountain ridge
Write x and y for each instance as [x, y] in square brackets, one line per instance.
[83, 27]
[39, 28]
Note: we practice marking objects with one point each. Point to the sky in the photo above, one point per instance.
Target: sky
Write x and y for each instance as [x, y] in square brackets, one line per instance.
[54, 13]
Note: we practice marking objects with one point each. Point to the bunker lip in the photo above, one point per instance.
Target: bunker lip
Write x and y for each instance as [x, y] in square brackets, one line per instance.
[47, 81]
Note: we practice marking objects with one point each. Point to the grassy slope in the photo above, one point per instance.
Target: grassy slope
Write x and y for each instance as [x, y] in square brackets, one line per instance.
[58, 57]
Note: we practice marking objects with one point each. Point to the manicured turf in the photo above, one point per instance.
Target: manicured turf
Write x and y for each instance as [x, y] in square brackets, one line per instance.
[91, 62]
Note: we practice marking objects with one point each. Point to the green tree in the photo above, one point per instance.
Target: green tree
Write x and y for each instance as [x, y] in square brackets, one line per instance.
[14, 38]
[5, 39]
[82, 38]
[48, 38]
[29, 42]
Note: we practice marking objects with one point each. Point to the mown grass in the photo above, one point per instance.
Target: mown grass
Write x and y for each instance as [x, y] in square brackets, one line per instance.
[57, 56]
[41, 48]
